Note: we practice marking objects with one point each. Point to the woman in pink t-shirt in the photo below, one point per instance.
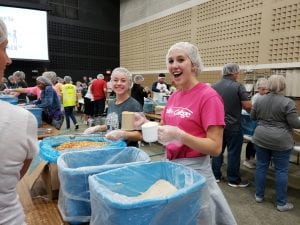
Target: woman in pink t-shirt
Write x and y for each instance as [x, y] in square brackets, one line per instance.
[29, 90]
[192, 128]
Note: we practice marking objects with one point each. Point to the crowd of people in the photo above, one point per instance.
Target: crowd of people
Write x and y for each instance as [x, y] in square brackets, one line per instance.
[198, 123]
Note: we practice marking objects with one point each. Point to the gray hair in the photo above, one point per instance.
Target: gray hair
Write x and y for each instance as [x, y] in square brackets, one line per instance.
[19, 74]
[276, 83]
[261, 82]
[10, 77]
[50, 75]
[124, 71]
[67, 79]
[60, 79]
[192, 52]
[100, 76]
[44, 80]
[138, 78]
[3, 32]
[230, 69]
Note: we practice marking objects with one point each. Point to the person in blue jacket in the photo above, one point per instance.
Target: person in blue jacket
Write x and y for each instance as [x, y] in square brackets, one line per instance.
[49, 102]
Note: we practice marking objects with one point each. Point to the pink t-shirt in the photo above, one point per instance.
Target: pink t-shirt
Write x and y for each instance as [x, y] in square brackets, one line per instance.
[193, 111]
[34, 90]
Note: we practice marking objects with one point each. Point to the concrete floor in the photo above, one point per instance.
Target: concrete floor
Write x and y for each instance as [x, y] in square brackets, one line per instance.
[241, 200]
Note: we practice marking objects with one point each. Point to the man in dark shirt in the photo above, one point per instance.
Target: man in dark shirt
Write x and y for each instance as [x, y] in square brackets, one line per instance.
[137, 90]
[235, 97]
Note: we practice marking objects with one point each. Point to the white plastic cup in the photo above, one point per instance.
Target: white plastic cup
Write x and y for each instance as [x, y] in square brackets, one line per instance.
[149, 131]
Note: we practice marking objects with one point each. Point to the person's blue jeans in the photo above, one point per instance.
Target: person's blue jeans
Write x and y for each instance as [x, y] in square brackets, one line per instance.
[69, 114]
[233, 140]
[281, 163]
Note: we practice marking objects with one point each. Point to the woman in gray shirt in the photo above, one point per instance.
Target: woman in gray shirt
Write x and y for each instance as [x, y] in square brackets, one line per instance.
[276, 117]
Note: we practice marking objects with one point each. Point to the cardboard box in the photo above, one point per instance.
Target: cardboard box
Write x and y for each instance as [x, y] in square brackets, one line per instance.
[159, 109]
[48, 173]
[127, 120]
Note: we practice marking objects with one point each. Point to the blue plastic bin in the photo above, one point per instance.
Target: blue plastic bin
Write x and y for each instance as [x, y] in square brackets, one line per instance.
[148, 106]
[9, 98]
[179, 208]
[50, 154]
[248, 125]
[37, 112]
[75, 167]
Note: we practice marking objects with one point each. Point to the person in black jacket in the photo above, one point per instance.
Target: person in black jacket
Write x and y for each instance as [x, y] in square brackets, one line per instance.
[138, 92]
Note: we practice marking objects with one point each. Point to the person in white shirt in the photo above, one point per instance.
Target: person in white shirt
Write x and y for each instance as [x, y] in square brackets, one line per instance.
[19, 144]
[261, 87]
[160, 88]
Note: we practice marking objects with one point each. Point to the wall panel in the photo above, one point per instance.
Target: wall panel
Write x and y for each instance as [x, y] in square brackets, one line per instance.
[259, 34]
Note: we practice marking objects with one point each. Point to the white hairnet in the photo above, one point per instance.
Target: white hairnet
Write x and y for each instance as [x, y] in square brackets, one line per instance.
[67, 78]
[191, 51]
[19, 74]
[100, 76]
[230, 68]
[50, 75]
[124, 71]
[138, 78]
[262, 82]
[3, 32]
[44, 80]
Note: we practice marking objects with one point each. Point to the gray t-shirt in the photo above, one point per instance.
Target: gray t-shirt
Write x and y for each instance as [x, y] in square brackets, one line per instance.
[276, 117]
[114, 114]
[232, 93]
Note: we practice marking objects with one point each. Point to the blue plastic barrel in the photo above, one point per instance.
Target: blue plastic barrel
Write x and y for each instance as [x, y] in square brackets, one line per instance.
[9, 98]
[37, 112]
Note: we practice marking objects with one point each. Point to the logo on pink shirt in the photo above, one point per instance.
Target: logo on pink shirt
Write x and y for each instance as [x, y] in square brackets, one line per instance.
[179, 111]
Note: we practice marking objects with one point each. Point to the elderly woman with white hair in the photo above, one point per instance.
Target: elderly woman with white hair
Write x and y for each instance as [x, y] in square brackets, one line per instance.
[18, 146]
[192, 128]
[250, 125]
[276, 116]
[49, 102]
[121, 80]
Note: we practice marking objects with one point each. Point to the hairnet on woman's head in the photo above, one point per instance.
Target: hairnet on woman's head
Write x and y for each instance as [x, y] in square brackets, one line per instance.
[3, 32]
[19, 74]
[191, 51]
[261, 82]
[67, 78]
[276, 83]
[44, 80]
[50, 75]
[230, 68]
[100, 76]
[138, 78]
[124, 71]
